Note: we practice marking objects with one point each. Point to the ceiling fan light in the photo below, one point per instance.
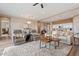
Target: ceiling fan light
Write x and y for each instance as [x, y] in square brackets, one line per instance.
[42, 6]
[28, 22]
[35, 4]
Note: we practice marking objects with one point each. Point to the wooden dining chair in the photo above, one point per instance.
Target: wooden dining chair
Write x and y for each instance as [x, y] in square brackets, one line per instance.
[44, 39]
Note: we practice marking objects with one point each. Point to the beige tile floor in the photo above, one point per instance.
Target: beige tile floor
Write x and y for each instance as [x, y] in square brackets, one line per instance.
[74, 51]
[5, 43]
[77, 51]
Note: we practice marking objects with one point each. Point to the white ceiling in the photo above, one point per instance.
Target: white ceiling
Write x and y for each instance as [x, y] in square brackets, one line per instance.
[26, 10]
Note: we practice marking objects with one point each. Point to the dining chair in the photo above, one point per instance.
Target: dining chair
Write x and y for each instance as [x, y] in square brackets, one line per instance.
[44, 39]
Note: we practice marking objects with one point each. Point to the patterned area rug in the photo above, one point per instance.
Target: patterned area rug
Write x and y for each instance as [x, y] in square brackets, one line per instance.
[32, 49]
[1, 51]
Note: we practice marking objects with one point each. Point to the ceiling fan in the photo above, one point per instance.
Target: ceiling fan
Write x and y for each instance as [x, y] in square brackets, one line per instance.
[40, 5]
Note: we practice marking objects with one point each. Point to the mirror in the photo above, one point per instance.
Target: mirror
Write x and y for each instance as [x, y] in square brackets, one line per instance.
[5, 27]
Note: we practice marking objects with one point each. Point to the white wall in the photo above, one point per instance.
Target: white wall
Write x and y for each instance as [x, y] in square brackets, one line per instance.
[16, 24]
[21, 24]
[76, 24]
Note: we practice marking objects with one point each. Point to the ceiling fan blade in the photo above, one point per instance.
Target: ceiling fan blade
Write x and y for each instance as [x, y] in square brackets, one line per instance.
[35, 4]
[42, 6]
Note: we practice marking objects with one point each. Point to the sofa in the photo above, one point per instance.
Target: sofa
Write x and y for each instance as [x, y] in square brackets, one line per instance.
[66, 37]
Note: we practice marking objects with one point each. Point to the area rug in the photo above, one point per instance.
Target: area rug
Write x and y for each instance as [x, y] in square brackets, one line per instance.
[32, 49]
[1, 51]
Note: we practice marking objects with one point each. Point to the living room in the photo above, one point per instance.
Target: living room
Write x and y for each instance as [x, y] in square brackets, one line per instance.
[21, 26]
